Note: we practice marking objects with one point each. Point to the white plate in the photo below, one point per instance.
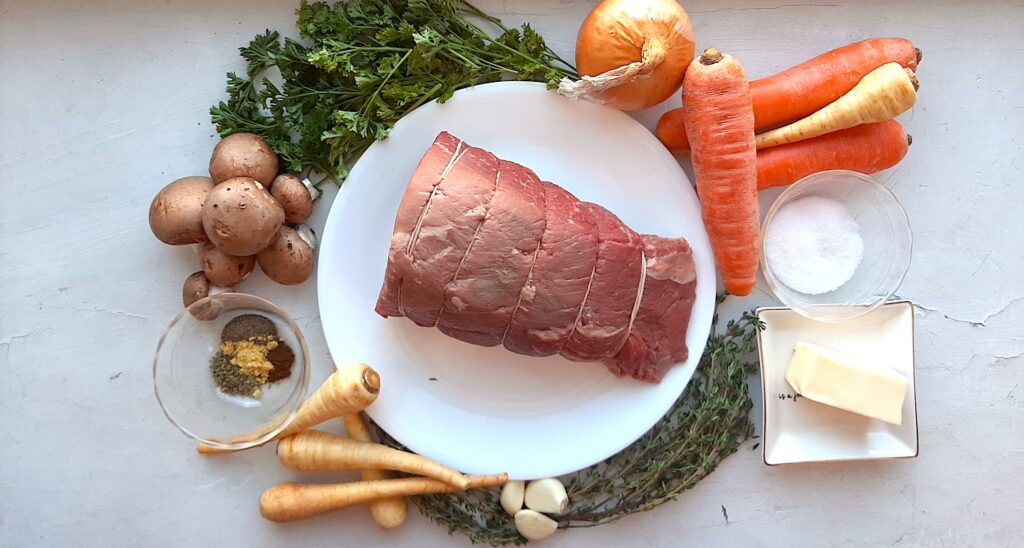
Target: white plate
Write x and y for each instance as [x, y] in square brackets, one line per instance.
[486, 410]
[797, 429]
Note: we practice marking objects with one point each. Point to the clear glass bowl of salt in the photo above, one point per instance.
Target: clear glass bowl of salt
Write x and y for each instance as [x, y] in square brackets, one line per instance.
[835, 245]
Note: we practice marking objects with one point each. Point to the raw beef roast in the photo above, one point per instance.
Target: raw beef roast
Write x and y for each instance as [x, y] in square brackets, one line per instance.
[489, 254]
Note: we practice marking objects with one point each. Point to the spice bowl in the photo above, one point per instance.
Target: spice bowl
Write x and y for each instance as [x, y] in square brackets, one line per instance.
[826, 211]
[189, 395]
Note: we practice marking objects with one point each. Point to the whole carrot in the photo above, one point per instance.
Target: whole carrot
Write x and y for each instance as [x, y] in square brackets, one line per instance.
[809, 86]
[671, 131]
[720, 125]
[806, 88]
[867, 148]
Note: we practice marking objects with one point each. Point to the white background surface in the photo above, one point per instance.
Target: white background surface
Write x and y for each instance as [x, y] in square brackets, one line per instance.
[102, 103]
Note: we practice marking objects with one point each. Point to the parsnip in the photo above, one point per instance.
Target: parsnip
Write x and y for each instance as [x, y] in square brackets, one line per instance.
[315, 451]
[348, 390]
[292, 501]
[883, 94]
[387, 513]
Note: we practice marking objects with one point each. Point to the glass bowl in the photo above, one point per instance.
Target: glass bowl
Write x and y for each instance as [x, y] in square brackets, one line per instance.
[188, 394]
[888, 241]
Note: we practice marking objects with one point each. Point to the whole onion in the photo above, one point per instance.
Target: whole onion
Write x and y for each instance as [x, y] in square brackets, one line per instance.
[632, 53]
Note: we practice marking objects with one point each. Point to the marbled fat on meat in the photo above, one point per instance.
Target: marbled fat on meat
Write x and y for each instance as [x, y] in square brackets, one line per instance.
[604, 319]
[658, 337]
[450, 221]
[551, 299]
[434, 165]
[480, 300]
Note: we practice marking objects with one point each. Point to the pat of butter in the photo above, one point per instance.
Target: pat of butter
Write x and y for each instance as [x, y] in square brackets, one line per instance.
[859, 386]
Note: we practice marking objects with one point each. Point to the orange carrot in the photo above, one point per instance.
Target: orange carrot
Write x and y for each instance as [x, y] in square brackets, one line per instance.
[808, 87]
[719, 123]
[867, 148]
[885, 93]
[672, 132]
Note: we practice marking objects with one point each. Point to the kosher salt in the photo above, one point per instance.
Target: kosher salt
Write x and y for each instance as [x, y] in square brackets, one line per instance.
[813, 245]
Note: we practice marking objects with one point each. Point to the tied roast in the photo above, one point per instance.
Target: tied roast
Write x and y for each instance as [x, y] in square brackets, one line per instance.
[491, 255]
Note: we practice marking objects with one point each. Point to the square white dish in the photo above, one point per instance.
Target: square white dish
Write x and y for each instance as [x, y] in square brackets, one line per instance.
[797, 429]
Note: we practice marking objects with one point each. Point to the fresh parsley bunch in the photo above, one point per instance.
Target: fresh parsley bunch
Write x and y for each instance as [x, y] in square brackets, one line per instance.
[367, 64]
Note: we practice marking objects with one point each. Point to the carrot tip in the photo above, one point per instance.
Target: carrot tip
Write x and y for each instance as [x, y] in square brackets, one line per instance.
[910, 139]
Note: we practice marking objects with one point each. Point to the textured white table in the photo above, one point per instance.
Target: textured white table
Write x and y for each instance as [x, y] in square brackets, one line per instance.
[102, 103]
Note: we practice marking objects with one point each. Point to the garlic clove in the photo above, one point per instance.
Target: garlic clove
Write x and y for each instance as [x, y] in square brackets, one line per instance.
[546, 495]
[534, 525]
[512, 496]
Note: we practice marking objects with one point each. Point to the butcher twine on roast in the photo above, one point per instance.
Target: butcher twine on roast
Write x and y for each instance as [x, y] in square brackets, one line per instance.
[489, 254]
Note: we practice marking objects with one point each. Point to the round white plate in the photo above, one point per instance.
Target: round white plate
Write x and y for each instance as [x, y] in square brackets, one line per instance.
[487, 410]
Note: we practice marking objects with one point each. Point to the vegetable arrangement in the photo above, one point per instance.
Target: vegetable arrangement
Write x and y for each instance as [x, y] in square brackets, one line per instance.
[856, 84]
[706, 424]
[364, 64]
[806, 88]
[883, 94]
[345, 394]
[838, 112]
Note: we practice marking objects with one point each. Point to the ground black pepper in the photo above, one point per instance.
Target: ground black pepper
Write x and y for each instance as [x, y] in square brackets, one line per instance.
[246, 326]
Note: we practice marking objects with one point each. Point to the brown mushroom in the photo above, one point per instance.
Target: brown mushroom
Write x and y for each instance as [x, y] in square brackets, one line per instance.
[176, 214]
[243, 155]
[288, 259]
[196, 287]
[294, 197]
[223, 269]
[241, 217]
